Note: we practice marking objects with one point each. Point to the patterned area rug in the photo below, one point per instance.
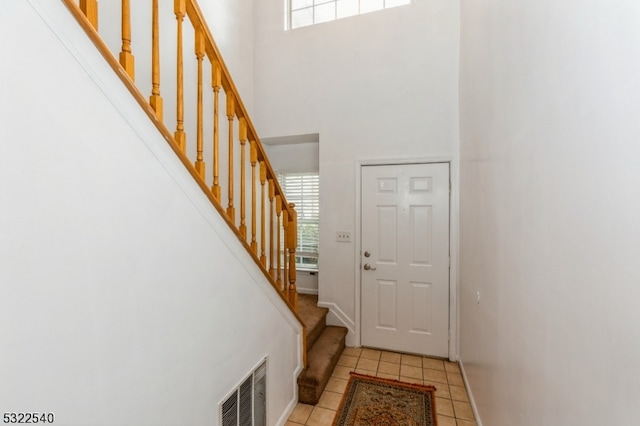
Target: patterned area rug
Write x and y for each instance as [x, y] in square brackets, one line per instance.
[372, 401]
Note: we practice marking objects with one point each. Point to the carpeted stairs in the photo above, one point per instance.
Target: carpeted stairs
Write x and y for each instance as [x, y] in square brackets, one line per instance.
[324, 346]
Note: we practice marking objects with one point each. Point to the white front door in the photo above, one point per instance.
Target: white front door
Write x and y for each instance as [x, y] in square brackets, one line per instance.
[405, 258]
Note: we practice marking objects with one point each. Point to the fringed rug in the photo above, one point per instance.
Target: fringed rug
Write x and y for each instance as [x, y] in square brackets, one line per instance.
[373, 401]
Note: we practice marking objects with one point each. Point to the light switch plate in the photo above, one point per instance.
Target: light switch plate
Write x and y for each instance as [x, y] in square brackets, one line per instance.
[343, 237]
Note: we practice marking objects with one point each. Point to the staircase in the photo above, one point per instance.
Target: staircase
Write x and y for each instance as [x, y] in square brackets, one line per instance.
[212, 125]
[214, 137]
[325, 345]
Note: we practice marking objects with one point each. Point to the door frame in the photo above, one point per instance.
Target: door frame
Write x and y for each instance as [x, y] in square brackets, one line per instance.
[453, 242]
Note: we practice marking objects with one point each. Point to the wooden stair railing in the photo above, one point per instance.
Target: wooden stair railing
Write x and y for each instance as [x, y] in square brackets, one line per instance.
[271, 217]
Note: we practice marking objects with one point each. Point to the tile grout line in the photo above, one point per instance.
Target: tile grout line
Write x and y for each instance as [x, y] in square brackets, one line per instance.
[411, 360]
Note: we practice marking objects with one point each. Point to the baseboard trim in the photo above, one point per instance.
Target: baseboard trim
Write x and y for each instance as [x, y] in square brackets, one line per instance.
[289, 409]
[340, 315]
[472, 400]
[313, 291]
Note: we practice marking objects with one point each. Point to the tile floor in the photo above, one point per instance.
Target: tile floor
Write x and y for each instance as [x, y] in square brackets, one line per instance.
[452, 403]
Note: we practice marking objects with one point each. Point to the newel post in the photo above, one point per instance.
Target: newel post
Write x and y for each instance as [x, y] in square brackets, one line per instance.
[292, 237]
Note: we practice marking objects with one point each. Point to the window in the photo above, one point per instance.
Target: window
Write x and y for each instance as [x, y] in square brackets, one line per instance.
[309, 12]
[302, 189]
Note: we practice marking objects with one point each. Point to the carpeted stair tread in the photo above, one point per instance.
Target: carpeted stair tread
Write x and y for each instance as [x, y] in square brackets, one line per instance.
[321, 360]
[313, 317]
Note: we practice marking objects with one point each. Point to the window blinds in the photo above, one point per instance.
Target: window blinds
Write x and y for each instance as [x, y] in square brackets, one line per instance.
[303, 189]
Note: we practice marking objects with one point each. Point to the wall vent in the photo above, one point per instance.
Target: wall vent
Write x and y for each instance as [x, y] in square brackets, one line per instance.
[247, 404]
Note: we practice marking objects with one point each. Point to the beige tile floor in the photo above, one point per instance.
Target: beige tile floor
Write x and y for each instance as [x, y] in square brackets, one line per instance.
[452, 402]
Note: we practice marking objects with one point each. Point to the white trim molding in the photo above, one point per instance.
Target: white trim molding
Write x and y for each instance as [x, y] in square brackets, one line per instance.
[454, 226]
[472, 401]
[337, 314]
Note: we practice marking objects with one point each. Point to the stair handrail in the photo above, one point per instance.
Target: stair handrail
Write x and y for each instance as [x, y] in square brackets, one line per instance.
[279, 264]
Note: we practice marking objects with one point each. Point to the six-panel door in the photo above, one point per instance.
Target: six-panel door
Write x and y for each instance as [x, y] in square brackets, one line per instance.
[405, 258]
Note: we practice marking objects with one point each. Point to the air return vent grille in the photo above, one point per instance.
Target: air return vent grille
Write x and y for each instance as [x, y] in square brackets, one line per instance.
[247, 404]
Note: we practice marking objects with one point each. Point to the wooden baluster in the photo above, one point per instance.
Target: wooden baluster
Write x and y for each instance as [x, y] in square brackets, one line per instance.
[199, 48]
[263, 242]
[293, 242]
[285, 257]
[243, 140]
[155, 100]
[126, 58]
[278, 242]
[180, 10]
[90, 10]
[254, 160]
[231, 210]
[216, 82]
[272, 194]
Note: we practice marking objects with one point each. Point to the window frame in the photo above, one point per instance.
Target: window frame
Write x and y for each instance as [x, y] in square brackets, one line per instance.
[314, 4]
[307, 204]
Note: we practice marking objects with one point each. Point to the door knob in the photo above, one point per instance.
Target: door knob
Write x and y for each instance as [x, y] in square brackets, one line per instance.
[368, 267]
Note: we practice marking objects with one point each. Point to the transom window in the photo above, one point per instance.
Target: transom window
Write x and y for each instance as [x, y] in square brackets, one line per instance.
[308, 12]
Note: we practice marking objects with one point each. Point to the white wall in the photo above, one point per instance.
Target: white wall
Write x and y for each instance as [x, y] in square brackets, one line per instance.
[294, 158]
[380, 86]
[124, 298]
[550, 98]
